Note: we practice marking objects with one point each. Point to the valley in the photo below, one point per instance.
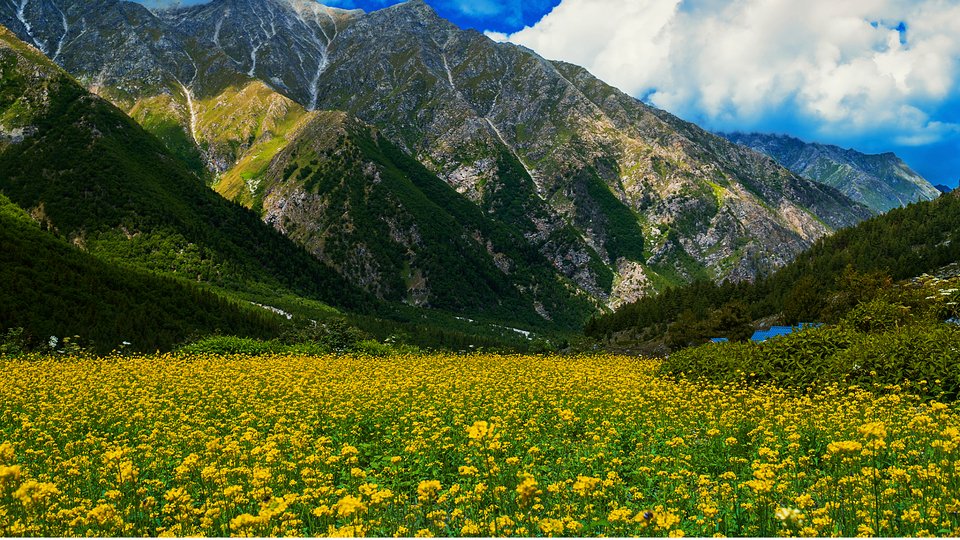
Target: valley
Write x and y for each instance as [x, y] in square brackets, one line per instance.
[275, 268]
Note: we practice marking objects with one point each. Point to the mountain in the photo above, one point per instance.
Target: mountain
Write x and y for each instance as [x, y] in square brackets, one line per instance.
[943, 189]
[53, 289]
[622, 199]
[359, 203]
[821, 284]
[92, 176]
[880, 181]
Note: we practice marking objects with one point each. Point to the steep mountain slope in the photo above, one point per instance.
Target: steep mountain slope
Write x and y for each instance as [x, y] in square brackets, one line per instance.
[285, 43]
[818, 285]
[91, 175]
[881, 181]
[652, 196]
[52, 289]
[386, 223]
[621, 198]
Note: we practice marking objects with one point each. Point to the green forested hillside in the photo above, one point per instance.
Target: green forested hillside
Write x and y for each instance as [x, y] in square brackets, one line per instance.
[53, 289]
[387, 224]
[91, 175]
[821, 284]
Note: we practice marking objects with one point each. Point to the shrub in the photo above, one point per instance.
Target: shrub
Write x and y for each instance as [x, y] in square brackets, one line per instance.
[13, 342]
[927, 355]
[877, 315]
[334, 335]
[231, 345]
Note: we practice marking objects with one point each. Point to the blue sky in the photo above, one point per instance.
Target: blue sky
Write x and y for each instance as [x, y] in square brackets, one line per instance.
[874, 75]
[504, 16]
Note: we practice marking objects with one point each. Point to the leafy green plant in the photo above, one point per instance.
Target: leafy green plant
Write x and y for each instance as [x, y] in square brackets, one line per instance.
[231, 345]
[925, 355]
[13, 342]
[877, 315]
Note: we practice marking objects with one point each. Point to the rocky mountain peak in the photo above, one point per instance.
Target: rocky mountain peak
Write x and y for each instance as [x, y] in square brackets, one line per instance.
[880, 181]
[622, 199]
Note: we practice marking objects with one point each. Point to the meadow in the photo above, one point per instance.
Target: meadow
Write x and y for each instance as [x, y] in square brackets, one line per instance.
[448, 445]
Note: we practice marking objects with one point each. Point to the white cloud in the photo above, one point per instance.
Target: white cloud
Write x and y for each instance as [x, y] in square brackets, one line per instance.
[837, 66]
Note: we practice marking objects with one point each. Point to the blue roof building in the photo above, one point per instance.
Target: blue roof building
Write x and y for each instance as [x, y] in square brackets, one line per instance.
[776, 331]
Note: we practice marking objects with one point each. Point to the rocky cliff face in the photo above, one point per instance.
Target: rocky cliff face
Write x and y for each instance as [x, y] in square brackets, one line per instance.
[621, 198]
[881, 181]
[359, 203]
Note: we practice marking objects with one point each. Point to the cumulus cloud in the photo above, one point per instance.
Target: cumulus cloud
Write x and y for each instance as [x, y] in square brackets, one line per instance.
[831, 67]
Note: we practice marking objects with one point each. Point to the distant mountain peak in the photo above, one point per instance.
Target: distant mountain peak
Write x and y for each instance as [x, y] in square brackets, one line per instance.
[881, 181]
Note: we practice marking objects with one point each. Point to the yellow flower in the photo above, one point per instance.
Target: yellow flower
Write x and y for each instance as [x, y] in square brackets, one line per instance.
[479, 430]
[127, 472]
[551, 527]
[103, 514]
[381, 496]
[9, 474]
[350, 531]
[6, 453]
[428, 489]
[585, 485]
[844, 447]
[876, 430]
[790, 516]
[470, 529]
[33, 492]
[527, 489]
[348, 506]
[665, 520]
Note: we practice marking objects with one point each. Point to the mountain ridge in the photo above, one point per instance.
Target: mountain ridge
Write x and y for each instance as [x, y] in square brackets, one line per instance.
[94, 177]
[881, 181]
[623, 199]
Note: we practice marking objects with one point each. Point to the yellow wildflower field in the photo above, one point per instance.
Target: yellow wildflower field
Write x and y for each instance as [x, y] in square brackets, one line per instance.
[449, 445]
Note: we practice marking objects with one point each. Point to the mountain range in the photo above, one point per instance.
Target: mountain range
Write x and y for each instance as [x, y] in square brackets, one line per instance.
[417, 162]
[880, 181]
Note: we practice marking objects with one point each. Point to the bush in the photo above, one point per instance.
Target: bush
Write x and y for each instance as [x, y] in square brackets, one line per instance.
[13, 342]
[231, 345]
[927, 354]
[714, 361]
[877, 315]
[335, 335]
[924, 354]
[797, 359]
